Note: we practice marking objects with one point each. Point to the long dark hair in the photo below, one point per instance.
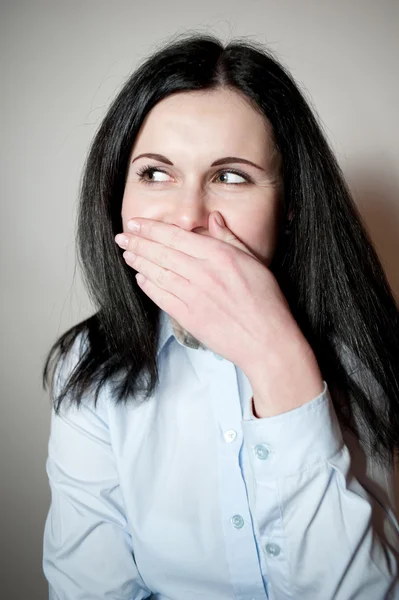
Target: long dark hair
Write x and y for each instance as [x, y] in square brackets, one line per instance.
[326, 265]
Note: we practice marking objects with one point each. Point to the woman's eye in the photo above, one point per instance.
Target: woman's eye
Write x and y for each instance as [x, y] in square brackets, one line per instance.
[150, 172]
[233, 179]
[227, 176]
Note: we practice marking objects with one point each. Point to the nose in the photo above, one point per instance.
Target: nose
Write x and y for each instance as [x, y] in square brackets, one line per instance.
[191, 210]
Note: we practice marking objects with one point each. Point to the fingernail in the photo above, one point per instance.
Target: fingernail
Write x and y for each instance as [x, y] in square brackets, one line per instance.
[121, 240]
[219, 219]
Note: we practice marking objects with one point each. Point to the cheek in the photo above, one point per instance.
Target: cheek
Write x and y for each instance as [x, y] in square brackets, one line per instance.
[133, 205]
[127, 203]
[263, 232]
[126, 214]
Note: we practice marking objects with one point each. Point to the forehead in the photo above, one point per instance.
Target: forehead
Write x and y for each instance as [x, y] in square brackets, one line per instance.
[221, 117]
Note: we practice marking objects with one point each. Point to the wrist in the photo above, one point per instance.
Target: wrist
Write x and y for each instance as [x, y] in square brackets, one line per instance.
[285, 379]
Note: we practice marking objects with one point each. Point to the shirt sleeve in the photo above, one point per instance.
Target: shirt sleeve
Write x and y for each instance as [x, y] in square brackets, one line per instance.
[316, 523]
[87, 549]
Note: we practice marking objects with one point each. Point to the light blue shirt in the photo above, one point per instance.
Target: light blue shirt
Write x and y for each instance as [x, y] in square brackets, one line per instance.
[189, 496]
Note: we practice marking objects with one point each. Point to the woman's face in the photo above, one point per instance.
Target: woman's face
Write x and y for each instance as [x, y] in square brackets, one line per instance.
[190, 131]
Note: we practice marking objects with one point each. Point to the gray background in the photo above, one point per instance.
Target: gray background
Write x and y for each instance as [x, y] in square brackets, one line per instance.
[61, 64]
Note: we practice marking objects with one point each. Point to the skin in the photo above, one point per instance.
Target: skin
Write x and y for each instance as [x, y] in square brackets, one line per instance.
[192, 130]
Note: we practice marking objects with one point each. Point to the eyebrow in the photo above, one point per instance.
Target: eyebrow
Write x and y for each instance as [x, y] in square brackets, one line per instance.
[220, 161]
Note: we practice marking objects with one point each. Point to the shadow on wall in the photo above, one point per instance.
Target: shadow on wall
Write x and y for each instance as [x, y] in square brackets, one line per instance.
[376, 194]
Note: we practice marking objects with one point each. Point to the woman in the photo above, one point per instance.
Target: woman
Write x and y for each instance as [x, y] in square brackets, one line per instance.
[256, 460]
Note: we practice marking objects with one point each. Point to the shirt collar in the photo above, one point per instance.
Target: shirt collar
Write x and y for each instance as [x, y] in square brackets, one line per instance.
[168, 328]
[165, 330]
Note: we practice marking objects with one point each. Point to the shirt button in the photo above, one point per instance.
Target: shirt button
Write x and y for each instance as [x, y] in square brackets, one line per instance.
[237, 521]
[273, 549]
[261, 451]
[230, 435]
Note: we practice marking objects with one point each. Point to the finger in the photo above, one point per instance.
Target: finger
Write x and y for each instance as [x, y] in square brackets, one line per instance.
[162, 257]
[163, 278]
[172, 236]
[167, 301]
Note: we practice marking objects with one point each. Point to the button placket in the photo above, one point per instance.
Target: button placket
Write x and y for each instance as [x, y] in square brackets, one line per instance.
[243, 557]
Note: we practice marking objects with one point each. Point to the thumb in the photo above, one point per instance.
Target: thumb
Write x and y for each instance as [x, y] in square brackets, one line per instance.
[221, 232]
